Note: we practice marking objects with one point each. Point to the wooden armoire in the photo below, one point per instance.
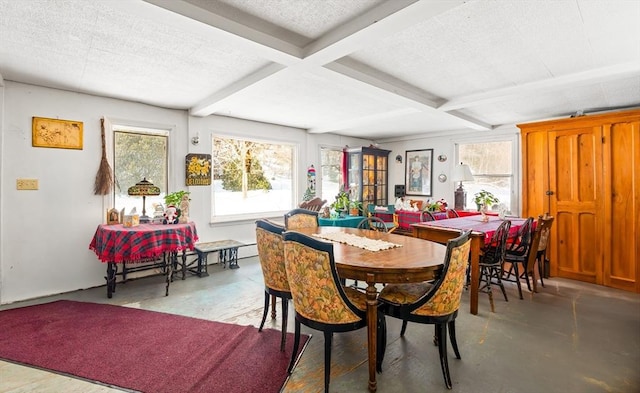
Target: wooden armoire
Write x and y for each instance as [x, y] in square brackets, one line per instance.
[585, 171]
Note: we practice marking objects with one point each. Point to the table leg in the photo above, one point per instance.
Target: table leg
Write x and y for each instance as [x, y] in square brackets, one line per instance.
[172, 259]
[112, 269]
[233, 258]
[184, 264]
[372, 324]
[475, 274]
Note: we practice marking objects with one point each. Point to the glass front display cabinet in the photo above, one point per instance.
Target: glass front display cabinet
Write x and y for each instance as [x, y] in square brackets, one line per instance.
[367, 175]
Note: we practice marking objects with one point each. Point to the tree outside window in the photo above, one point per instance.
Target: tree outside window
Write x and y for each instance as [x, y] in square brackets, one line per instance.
[251, 177]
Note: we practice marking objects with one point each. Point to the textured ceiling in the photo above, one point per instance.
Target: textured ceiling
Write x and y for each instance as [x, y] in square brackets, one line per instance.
[367, 68]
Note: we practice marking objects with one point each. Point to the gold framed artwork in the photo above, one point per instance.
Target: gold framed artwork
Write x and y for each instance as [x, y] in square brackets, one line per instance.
[198, 169]
[56, 133]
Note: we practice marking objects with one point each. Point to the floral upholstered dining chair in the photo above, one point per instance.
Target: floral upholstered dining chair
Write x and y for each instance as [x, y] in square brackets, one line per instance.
[436, 302]
[276, 285]
[320, 301]
[300, 218]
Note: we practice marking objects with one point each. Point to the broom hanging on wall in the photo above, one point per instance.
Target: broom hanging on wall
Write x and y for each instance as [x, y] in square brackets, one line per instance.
[104, 178]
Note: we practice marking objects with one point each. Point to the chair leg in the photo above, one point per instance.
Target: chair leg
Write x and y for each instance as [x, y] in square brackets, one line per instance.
[441, 328]
[486, 273]
[514, 265]
[498, 273]
[404, 327]
[285, 316]
[296, 344]
[328, 338]
[452, 337]
[540, 263]
[273, 306]
[266, 309]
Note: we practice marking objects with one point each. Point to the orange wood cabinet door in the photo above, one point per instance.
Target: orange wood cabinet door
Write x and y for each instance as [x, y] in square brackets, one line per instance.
[575, 178]
[585, 171]
[622, 178]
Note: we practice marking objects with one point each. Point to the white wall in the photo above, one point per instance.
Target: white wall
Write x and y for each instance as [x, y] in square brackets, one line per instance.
[45, 234]
[441, 143]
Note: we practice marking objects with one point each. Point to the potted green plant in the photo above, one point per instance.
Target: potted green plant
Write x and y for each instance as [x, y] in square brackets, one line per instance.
[175, 197]
[342, 202]
[355, 207]
[485, 198]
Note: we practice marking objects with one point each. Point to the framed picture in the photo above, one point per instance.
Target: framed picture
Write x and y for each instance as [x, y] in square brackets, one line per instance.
[418, 172]
[63, 134]
[198, 169]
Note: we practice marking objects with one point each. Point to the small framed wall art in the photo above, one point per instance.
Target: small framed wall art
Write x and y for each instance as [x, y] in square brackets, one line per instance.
[198, 169]
[418, 172]
[62, 134]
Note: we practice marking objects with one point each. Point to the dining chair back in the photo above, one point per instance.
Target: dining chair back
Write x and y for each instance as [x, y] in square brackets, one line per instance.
[390, 213]
[541, 255]
[434, 303]
[491, 262]
[517, 255]
[373, 223]
[276, 284]
[319, 299]
[300, 218]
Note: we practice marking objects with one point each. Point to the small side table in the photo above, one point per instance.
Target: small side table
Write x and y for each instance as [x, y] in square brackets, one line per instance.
[227, 252]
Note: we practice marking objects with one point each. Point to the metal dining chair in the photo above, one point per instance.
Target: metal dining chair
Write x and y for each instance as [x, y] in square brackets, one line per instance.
[434, 302]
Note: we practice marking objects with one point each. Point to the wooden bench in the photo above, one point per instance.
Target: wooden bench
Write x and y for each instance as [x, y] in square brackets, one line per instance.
[227, 252]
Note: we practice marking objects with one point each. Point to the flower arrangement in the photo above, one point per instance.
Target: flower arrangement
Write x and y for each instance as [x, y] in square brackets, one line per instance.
[438, 206]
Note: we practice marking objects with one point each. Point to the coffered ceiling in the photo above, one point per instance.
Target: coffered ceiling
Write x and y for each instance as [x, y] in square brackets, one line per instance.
[365, 68]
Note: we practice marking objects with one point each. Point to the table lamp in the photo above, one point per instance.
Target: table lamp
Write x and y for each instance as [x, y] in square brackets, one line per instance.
[144, 188]
[461, 172]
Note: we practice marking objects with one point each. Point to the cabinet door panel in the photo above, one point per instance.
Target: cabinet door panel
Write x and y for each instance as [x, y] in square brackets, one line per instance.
[574, 176]
[621, 266]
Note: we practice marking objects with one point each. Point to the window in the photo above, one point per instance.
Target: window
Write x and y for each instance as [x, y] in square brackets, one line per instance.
[139, 154]
[251, 178]
[331, 173]
[492, 166]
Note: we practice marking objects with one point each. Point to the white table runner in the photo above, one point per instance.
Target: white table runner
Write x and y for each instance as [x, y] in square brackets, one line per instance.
[358, 241]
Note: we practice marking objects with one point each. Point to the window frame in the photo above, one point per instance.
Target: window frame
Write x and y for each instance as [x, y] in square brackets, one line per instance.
[113, 124]
[516, 159]
[319, 173]
[247, 217]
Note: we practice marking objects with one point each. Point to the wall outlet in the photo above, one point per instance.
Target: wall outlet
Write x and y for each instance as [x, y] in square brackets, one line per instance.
[27, 184]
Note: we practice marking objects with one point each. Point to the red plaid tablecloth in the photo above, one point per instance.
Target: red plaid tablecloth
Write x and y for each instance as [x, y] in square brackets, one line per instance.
[115, 243]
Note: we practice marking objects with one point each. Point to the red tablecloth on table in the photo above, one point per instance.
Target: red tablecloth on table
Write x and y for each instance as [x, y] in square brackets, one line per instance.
[115, 243]
[475, 223]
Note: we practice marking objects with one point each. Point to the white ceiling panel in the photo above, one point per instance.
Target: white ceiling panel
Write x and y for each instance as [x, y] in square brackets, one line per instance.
[375, 69]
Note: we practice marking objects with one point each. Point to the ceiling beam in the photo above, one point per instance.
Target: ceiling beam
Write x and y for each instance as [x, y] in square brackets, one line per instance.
[590, 77]
[396, 93]
[211, 104]
[243, 36]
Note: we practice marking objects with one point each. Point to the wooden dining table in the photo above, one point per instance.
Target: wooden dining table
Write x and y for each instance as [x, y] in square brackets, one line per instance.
[413, 260]
[442, 230]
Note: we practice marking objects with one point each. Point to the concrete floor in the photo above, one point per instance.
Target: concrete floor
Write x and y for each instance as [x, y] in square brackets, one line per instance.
[569, 337]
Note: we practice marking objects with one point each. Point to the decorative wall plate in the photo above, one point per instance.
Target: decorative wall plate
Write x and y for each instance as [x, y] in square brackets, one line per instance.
[442, 158]
[442, 178]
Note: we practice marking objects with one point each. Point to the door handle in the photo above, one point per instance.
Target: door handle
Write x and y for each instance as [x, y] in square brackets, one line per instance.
[549, 192]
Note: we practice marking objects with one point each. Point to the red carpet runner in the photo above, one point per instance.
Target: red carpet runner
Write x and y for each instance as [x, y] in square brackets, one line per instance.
[145, 350]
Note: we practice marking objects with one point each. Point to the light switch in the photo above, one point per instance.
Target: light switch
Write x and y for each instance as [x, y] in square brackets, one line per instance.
[27, 184]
